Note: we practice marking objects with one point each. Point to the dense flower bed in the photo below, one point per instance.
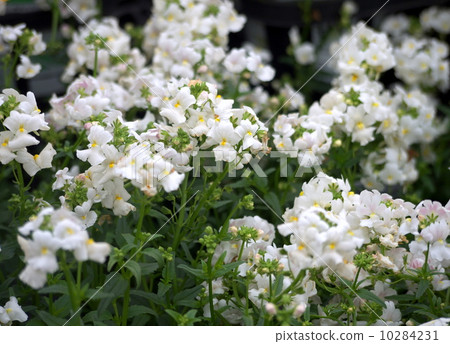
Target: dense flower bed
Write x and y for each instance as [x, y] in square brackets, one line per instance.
[179, 181]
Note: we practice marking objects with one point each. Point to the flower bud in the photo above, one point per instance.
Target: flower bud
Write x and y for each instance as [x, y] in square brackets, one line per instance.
[271, 309]
[299, 310]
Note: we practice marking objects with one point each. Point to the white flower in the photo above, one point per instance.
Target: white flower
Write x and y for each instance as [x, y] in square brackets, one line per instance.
[359, 125]
[61, 177]
[246, 130]
[34, 163]
[117, 198]
[437, 322]
[255, 64]
[86, 215]
[70, 234]
[304, 53]
[40, 251]
[12, 312]
[11, 33]
[97, 137]
[6, 154]
[95, 251]
[391, 315]
[236, 61]
[21, 125]
[175, 111]
[27, 70]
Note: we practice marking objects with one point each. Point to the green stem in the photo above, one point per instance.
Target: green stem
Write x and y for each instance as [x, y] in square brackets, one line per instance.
[95, 62]
[178, 237]
[138, 237]
[126, 302]
[55, 21]
[20, 182]
[206, 196]
[210, 296]
[355, 282]
[79, 269]
[73, 291]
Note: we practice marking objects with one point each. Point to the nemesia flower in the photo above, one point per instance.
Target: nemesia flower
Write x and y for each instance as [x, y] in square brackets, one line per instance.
[12, 312]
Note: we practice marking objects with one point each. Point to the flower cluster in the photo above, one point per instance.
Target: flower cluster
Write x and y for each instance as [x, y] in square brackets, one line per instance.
[251, 242]
[355, 235]
[362, 110]
[329, 224]
[25, 43]
[423, 62]
[46, 233]
[437, 19]
[20, 118]
[189, 39]
[104, 47]
[363, 51]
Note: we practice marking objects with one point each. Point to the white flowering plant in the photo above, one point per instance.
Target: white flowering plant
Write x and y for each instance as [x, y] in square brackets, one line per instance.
[178, 180]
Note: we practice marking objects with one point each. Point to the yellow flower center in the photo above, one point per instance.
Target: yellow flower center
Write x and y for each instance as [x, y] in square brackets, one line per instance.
[224, 142]
[332, 246]
[360, 125]
[177, 105]
[21, 129]
[90, 241]
[293, 218]
[35, 157]
[44, 250]
[300, 247]
[118, 198]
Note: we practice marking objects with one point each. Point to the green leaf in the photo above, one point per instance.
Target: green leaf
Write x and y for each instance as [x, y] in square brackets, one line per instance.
[49, 319]
[155, 254]
[368, 295]
[152, 297]
[136, 310]
[218, 204]
[135, 269]
[175, 315]
[156, 214]
[163, 288]
[196, 272]
[272, 200]
[278, 285]
[54, 289]
[423, 285]
[187, 297]
[148, 268]
[226, 268]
